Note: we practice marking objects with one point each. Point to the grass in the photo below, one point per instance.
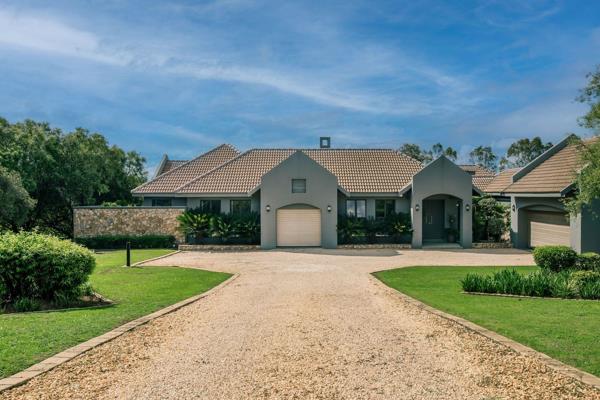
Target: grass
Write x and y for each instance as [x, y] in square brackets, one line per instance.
[26, 339]
[564, 329]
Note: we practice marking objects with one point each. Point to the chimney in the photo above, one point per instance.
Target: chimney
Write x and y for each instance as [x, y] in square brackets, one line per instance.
[325, 142]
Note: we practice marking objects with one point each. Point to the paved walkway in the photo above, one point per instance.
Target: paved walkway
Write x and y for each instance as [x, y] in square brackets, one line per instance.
[307, 325]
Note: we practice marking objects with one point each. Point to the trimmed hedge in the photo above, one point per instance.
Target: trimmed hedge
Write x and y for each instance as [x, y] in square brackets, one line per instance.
[588, 262]
[35, 266]
[120, 241]
[555, 258]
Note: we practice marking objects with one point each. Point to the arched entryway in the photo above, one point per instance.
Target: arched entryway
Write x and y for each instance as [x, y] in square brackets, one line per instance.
[440, 219]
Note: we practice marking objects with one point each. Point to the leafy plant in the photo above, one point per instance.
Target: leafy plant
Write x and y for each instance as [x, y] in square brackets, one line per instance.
[588, 261]
[222, 227]
[192, 223]
[26, 304]
[554, 258]
[42, 267]
[489, 219]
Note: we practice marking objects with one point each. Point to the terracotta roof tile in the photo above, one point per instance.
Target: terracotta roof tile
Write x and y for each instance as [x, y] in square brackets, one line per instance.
[501, 181]
[169, 181]
[481, 176]
[357, 170]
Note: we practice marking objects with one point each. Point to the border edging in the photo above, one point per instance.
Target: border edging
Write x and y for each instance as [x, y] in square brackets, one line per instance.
[155, 258]
[570, 371]
[46, 365]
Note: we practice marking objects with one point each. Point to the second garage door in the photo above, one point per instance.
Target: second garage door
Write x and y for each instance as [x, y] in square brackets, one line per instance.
[548, 228]
[299, 227]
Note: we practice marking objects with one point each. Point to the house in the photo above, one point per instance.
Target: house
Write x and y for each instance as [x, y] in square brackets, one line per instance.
[299, 193]
[537, 192]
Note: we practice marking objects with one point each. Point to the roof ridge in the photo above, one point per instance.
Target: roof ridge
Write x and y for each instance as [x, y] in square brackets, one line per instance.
[184, 164]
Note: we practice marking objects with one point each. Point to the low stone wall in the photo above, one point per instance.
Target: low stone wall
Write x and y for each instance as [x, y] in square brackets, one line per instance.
[375, 246]
[95, 221]
[492, 245]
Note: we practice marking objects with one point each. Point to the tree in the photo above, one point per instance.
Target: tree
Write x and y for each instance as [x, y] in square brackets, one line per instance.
[16, 203]
[438, 150]
[414, 151]
[61, 170]
[484, 157]
[591, 96]
[588, 177]
[489, 219]
[523, 151]
[426, 156]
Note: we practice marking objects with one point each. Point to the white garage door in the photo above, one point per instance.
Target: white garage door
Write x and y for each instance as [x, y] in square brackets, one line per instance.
[299, 227]
[548, 228]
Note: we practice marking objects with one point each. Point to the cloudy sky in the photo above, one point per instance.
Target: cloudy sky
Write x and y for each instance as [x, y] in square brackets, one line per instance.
[179, 77]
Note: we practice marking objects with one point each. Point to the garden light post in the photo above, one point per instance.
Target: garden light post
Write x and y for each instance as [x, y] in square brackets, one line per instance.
[128, 248]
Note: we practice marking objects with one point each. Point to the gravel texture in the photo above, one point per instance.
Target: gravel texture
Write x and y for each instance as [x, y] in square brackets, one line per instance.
[307, 324]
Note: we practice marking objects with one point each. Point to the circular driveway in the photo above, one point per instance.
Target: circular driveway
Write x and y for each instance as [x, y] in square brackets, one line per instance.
[307, 324]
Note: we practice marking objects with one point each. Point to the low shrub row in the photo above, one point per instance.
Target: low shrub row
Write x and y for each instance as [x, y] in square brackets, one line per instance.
[120, 241]
[37, 268]
[394, 228]
[560, 258]
[209, 228]
[564, 284]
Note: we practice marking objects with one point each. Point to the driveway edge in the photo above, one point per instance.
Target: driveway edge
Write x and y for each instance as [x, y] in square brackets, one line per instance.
[575, 373]
[155, 258]
[46, 365]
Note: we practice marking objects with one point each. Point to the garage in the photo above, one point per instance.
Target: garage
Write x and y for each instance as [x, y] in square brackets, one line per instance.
[548, 228]
[298, 226]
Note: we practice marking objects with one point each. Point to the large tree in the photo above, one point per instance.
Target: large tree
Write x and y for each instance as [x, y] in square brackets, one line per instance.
[523, 151]
[439, 150]
[483, 156]
[60, 170]
[16, 202]
[426, 156]
[591, 96]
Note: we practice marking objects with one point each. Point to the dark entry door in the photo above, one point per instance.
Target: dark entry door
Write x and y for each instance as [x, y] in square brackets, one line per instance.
[433, 220]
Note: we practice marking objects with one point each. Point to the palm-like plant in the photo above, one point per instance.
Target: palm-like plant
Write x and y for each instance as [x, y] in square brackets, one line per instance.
[194, 224]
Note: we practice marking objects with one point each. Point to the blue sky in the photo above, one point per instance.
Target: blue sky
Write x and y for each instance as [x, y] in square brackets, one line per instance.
[183, 76]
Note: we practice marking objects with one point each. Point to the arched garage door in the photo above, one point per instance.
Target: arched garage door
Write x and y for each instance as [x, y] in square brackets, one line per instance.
[298, 227]
[548, 228]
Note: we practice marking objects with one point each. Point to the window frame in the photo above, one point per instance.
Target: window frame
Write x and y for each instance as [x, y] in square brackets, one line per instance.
[386, 211]
[355, 208]
[233, 201]
[207, 206]
[157, 200]
[299, 180]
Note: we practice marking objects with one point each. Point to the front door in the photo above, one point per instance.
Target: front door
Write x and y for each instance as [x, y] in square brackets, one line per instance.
[433, 220]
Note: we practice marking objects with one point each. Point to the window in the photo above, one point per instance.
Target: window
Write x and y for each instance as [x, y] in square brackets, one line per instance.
[356, 208]
[161, 202]
[384, 208]
[240, 207]
[298, 185]
[210, 206]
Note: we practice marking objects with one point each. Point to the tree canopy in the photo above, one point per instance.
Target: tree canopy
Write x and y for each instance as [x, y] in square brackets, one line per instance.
[523, 151]
[426, 156]
[16, 202]
[61, 170]
[591, 96]
[483, 156]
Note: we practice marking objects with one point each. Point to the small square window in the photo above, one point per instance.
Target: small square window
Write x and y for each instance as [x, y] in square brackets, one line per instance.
[240, 207]
[298, 185]
[356, 208]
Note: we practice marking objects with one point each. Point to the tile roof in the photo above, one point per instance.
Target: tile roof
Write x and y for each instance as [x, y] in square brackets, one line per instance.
[169, 181]
[501, 181]
[552, 175]
[357, 170]
[171, 164]
[481, 176]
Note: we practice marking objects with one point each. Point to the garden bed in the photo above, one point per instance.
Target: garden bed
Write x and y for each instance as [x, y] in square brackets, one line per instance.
[94, 300]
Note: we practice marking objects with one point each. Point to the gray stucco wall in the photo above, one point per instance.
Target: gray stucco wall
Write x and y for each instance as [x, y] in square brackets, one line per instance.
[519, 220]
[590, 228]
[321, 191]
[442, 176]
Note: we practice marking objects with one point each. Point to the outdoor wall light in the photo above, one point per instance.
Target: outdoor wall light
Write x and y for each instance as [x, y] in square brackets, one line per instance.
[468, 207]
[457, 204]
[417, 207]
[328, 208]
[514, 208]
[268, 208]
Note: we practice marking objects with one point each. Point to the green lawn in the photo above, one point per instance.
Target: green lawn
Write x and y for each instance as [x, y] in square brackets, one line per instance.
[568, 330]
[29, 338]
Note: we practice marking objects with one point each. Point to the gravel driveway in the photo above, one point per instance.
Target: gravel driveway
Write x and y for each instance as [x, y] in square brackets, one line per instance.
[307, 324]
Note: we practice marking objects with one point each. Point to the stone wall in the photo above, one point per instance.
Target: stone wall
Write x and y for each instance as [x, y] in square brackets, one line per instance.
[94, 221]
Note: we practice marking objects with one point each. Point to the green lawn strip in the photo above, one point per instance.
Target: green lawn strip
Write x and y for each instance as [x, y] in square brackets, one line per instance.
[26, 339]
[567, 330]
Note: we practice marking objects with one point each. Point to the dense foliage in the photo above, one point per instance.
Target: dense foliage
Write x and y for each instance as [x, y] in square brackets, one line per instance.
[394, 228]
[564, 284]
[16, 202]
[490, 219]
[555, 258]
[61, 170]
[484, 157]
[426, 156]
[206, 228]
[588, 178]
[36, 267]
[523, 151]
[120, 241]
[590, 95]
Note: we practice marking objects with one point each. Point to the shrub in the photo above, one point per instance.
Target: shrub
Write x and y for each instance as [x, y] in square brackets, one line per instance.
[120, 241]
[580, 279]
[43, 267]
[554, 258]
[589, 262]
[26, 304]
[590, 290]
